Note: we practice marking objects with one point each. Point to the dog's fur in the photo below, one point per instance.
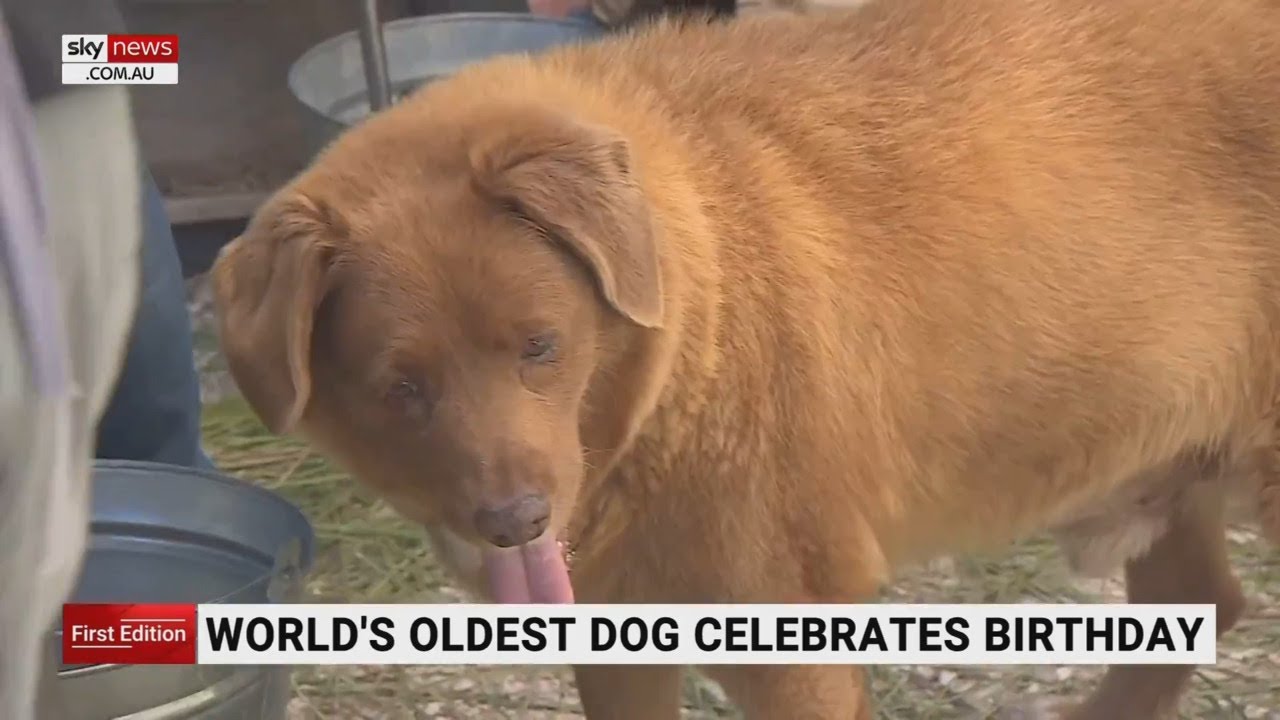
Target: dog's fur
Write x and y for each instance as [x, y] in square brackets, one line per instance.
[833, 294]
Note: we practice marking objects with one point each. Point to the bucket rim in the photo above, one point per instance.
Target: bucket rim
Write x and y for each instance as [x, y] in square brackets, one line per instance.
[301, 521]
[591, 31]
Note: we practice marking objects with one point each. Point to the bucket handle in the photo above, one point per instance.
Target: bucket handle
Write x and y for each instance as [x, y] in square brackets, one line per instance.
[286, 572]
[373, 53]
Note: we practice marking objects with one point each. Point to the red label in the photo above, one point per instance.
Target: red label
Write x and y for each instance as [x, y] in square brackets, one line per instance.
[142, 48]
[129, 634]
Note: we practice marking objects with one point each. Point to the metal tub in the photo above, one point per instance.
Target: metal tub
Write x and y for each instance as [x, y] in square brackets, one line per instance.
[329, 79]
[165, 534]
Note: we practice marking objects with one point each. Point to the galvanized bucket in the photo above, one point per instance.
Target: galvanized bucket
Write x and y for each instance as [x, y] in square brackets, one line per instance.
[164, 534]
[329, 79]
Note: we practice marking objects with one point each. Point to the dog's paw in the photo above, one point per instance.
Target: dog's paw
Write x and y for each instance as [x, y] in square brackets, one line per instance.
[1041, 709]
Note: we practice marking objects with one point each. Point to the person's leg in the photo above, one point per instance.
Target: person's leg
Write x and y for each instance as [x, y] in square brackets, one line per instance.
[155, 411]
[154, 414]
[67, 296]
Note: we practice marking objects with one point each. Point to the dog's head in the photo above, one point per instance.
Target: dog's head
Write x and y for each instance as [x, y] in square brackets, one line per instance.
[430, 302]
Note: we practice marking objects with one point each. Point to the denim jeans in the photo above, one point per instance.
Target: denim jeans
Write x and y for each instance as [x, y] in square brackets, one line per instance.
[154, 414]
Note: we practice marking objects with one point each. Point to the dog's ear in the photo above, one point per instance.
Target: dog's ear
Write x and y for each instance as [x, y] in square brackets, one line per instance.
[268, 285]
[577, 184]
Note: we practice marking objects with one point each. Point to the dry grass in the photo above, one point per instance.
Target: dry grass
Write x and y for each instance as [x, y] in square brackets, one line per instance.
[366, 553]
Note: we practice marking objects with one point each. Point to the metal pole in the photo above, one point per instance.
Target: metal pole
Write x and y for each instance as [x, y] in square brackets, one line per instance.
[374, 53]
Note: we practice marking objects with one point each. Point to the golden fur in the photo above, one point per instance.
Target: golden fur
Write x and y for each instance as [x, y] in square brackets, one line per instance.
[835, 293]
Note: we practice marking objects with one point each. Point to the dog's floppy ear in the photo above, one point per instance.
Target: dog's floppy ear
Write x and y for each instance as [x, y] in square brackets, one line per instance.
[268, 284]
[577, 184]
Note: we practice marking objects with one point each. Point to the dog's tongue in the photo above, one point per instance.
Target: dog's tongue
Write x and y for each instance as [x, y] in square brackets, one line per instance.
[532, 573]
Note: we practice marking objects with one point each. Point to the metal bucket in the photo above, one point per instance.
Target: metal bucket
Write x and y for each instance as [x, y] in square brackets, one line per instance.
[329, 79]
[166, 534]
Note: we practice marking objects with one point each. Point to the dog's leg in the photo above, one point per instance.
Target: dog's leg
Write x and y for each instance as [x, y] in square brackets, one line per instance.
[1267, 484]
[796, 692]
[629, 692]
[1188, 564]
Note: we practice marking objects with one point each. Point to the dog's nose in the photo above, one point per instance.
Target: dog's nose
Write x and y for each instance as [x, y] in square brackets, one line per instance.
[516, 522]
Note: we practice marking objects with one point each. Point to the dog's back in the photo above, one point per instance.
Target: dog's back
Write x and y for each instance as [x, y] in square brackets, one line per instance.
[1007, 243]
[1002, 231]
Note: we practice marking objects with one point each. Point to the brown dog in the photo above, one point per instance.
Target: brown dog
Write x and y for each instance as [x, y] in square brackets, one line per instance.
[758, 312]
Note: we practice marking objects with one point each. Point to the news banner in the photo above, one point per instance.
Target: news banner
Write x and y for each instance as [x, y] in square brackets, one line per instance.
[119, 59]
[466, 634]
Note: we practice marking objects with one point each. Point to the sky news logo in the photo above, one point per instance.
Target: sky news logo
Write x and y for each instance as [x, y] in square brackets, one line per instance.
[119, 59]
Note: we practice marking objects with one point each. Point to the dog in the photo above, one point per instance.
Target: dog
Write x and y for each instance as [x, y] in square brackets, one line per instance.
[762, 311]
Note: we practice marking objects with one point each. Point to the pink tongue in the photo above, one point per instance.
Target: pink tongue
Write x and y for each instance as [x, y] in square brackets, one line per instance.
[532, 573]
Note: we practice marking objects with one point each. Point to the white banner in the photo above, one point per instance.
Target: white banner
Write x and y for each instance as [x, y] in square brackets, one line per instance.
[119, 73]
[465, 634]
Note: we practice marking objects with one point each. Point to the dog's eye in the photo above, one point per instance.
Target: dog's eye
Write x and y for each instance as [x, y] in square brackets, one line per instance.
[539, 348]
[402, 391]
[409, 399]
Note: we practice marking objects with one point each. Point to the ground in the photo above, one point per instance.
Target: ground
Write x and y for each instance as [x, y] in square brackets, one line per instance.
[367, 554]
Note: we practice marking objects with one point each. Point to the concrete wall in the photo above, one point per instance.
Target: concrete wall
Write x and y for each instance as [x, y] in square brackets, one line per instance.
[230, 125]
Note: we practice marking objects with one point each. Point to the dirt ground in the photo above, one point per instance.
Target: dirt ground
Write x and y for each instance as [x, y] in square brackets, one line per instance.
[368, 554]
